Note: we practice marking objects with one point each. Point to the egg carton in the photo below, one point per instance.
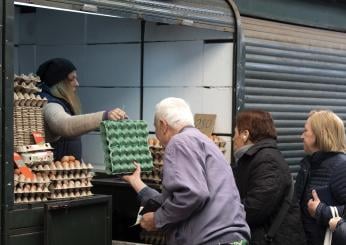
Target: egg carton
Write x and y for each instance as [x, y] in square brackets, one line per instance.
[29, 100]
[71, 176]
[31, 148]
[31, 78]
[33, 198]
[37, 158]
[31, 189]
[36, 179]
[71, 186]
[70, 194]
[125, 142]
[22, 86]
[75, 166]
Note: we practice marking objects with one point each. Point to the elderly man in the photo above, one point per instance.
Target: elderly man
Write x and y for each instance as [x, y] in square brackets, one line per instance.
[200, 202]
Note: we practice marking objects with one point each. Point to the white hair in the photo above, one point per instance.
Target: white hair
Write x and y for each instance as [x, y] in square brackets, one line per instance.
[175, 111]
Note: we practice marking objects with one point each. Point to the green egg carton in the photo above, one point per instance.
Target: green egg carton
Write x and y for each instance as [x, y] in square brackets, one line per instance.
[124, 142]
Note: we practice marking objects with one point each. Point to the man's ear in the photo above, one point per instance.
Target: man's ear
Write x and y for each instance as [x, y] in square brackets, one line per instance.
[163, 125]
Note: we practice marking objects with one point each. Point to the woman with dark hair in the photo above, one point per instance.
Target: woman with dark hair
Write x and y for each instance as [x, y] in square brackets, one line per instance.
[64, 122]
[264, 182]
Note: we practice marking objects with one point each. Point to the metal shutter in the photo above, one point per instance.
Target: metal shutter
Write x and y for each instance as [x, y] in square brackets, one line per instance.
[290, 70]
[211, 14]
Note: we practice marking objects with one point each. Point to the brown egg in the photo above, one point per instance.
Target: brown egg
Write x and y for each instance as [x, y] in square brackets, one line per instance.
[65, 159]
[72, 158]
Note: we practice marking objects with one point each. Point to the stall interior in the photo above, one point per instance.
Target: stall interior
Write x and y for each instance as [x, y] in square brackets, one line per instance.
[131, 64]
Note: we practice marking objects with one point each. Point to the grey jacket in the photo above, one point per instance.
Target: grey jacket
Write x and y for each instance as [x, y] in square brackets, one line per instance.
[200, 200]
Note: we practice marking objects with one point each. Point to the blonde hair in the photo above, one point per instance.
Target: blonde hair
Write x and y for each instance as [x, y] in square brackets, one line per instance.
[63, 90]
[329, 131]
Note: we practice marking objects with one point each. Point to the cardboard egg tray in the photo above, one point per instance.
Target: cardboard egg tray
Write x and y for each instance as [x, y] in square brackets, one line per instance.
[125, 142]
[31, 78]
[157, 152]
[26, 120]
[31, 190]
[31, 198]
[29, 99]
[67, 194]
[37, 158]
[220, 142]
[21, 86]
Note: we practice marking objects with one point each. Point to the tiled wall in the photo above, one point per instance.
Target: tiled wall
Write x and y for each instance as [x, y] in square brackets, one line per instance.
[177, 62]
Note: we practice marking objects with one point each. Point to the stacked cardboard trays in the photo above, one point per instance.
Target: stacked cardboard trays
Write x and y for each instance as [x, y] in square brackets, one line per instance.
[125, 142]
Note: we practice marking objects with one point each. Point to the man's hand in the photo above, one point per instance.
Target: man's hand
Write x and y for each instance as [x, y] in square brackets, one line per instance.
[135, 179]
[313, 203]
[148, 222]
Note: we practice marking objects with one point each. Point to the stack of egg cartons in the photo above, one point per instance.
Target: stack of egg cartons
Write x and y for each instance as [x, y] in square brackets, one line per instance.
[157, 152]
[70, 178]
[124, 143]
[220, 142]
[27, 111]
[34, 189]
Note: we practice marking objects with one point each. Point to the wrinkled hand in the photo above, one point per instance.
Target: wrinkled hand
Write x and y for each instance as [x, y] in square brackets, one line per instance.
[313, 203]
[148, 222]
[333, 222]
[135, 176]
[117, 114]
[135, 179]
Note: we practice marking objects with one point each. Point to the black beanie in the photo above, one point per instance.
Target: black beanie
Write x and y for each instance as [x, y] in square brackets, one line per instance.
[55, 70]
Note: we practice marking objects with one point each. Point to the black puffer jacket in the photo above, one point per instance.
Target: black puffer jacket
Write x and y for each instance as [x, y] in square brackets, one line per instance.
[322, 171]
[263, 179]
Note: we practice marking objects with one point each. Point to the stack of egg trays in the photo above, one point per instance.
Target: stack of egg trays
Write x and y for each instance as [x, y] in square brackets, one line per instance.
[124, 142]
[68, 179]
[31, 190]
[157, 153]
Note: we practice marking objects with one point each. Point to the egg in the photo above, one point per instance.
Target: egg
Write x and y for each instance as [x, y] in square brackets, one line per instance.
[59, 195]
[17, 171]
[72, 158]
[90, 166]
[72, 165]
[25, 199]
[38, 199]
[77, 183]
[65, 159]
[33, 188]
[76, 175]
[83, 165]
[52, 166]
[46, 167]
[71, 184]
[66, 165]
[44, 198]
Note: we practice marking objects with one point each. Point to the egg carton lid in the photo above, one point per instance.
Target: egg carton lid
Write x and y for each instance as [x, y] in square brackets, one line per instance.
[31, 148]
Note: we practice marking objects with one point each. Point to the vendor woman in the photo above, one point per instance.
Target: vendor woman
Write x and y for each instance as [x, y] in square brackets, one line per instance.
[64, 123]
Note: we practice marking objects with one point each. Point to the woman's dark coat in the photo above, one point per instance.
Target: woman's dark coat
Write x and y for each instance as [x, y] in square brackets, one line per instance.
[326, 173]
[263, 179]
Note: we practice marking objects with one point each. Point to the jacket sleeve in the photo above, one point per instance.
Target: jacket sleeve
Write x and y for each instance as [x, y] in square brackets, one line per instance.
[338, 184]
[61, 123]
[265, 191]
[184, 180]
[324, 214]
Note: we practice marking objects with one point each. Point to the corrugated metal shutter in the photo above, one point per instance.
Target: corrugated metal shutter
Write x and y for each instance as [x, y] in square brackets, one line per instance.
[211, 14]
[290, 70]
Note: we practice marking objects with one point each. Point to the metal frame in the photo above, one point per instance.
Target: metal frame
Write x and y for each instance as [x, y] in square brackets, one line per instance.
[6, 169]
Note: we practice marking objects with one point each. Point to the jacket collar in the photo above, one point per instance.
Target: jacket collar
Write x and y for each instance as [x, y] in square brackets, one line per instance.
[265, 143]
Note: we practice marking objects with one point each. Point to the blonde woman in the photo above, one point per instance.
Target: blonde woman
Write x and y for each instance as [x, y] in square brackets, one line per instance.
[64, 122]
[321, 180]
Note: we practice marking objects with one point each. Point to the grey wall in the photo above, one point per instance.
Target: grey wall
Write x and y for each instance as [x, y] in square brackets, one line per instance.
[177, 62]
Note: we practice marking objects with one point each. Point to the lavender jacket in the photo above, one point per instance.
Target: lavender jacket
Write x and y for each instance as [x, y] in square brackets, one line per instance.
[200, 200]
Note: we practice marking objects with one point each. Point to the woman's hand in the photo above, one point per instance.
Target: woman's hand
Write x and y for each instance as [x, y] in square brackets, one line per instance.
[313, 203]
[135, 179]
[116, 114]
[333, 223]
